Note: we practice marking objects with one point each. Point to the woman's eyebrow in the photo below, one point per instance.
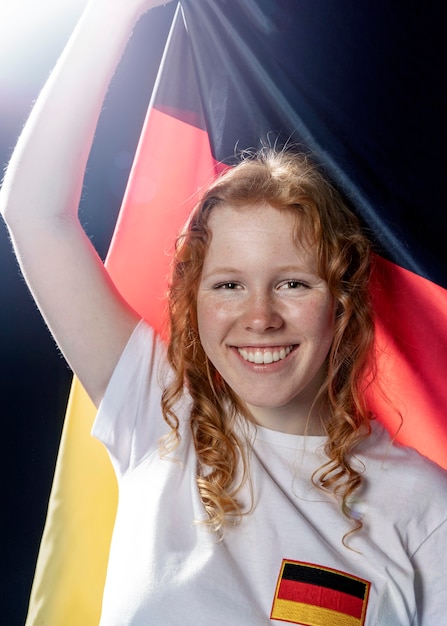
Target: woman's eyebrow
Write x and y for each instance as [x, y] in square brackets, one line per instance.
[284, 269]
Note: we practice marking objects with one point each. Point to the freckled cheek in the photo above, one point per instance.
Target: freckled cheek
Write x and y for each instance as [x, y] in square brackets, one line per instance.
[320, 320]
[214, 320]
[213, 310]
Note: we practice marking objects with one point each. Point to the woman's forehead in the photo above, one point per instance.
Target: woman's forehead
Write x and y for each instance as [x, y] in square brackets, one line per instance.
[257, 216]
[258, 229]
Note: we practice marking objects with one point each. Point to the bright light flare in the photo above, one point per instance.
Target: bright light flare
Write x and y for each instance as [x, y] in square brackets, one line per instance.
[29, 27]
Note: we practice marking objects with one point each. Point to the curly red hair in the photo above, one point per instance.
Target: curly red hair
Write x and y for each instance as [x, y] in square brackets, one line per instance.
[292, 182]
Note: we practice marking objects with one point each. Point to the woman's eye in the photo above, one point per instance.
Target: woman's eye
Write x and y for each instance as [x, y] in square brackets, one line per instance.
[294, 284]
[227, 286]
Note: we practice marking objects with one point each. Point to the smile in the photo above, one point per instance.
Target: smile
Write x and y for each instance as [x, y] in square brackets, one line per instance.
[264, 356]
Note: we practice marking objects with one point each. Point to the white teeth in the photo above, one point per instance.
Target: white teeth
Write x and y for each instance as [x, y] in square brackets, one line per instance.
[264, 356]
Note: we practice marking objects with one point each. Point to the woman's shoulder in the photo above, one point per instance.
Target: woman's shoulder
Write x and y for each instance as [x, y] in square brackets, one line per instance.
[129, 420]
[403, 492]
[390, 455]
[400, 477]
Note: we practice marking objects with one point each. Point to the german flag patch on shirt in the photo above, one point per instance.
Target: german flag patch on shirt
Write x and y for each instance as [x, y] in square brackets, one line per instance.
[313, 595]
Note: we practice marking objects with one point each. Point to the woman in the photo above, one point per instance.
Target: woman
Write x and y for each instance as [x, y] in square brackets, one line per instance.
[255, 487]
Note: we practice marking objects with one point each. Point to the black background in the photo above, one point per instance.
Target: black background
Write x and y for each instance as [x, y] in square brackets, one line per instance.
[34, 378]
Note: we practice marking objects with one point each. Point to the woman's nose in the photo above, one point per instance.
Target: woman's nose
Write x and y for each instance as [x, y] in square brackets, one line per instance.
[261, 314]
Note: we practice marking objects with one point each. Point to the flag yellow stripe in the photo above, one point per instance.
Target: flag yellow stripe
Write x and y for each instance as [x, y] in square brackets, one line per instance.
[299, 613]
[72, 563]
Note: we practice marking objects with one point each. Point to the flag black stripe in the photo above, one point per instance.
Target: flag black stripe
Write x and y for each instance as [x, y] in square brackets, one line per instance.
[324, 578]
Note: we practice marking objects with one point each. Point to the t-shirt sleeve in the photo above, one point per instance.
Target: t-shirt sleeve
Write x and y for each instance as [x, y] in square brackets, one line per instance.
[430, 566]
[129, 421]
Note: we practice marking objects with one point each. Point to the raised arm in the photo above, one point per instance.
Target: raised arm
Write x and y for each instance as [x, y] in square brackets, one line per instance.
[41, 191]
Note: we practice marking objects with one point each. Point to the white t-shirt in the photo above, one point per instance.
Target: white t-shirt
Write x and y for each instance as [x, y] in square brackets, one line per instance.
[285, 561]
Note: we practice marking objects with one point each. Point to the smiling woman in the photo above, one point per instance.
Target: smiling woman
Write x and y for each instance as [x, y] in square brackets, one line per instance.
[268, 335]
[276, 264]
[255, 484]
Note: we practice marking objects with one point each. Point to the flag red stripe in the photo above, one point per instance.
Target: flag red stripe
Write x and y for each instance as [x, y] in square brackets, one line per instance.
[173, 162]
[411, 335]
[320, 596]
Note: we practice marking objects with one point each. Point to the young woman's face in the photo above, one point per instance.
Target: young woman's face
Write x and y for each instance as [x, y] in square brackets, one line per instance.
[265, 316]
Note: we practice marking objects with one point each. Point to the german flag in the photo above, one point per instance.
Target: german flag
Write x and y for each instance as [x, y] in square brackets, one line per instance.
[357, 84]
[318, 596]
